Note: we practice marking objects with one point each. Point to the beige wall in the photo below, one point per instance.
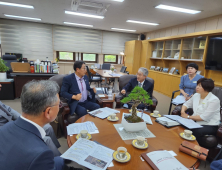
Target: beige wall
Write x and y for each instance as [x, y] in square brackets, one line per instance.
[212, 23]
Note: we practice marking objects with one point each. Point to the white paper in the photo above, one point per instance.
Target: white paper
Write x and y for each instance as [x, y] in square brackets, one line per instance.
[89, 154]
[75, 128]
[115, 75]
[173, 117]
[103, 113]
[165, 161]
[179, 100]
[101, 95]
[111, 164]
[172, 153]
[145, 117]
[167, 121]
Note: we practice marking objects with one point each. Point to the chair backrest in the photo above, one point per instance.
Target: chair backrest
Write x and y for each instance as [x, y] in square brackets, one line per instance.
[217, 91]
[9, 59]
[97, 65]
[123, 69]
[123, 80]
[106, 66]
[58, 79]
[89, 73]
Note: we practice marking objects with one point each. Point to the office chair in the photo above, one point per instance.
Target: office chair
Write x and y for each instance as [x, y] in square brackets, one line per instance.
[106, 66]
[9, 59]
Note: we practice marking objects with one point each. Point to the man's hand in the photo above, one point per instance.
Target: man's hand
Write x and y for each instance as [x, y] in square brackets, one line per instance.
[183, 114]
[123, 91]
[77, 97]
[94, 89]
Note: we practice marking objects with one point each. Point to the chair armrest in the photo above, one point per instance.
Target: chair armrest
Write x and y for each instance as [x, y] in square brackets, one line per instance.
[155, 101]
[174, 93]
[219, 131]
[64, 105]
[118, 99]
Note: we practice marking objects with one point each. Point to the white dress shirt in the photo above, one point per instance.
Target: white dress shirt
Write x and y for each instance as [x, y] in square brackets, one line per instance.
[41, 130]
[141, 83]
[208, 109]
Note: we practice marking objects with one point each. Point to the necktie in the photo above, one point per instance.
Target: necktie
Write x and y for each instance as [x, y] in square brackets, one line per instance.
[81, 84]
[140, 84]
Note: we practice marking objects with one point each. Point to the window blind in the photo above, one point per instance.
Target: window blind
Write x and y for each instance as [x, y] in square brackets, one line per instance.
[77, 39]
[114, 42]
[32, 40]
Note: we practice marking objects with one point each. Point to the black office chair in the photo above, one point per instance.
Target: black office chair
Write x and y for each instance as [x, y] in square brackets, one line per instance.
[106, 66]
[9, 59]
[92, 78]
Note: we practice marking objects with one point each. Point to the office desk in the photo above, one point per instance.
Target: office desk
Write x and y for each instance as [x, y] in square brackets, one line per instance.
[166, 139]
[22, 78]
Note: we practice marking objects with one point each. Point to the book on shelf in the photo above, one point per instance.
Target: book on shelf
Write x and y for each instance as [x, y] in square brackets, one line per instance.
[162, 160]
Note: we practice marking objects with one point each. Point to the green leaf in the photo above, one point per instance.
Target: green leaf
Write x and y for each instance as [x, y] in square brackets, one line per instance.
[3, 67]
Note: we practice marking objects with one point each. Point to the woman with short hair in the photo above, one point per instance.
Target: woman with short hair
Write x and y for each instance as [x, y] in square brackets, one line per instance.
[206, 109]
[188, 82]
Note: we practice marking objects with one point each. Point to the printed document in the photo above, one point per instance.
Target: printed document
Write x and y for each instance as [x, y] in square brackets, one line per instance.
[179, 100]
[145, 117]
[165, 161]
[115, 75]
[103, 113]
[89, 154]
[166, 121]
[75, 128]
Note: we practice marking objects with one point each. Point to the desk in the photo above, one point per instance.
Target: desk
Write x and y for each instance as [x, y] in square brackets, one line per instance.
[167, 139]
[7, 91]
[22, 78]
[106, 74]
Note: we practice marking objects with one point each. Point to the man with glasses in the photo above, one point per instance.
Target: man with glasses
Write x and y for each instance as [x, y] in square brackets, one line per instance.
[140, 81]
[76, 89]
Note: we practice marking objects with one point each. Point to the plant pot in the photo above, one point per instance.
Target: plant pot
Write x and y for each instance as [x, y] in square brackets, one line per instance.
[133, 127]
[3, 76]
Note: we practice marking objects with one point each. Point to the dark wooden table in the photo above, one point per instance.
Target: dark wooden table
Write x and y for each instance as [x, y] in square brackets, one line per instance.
[166, 139]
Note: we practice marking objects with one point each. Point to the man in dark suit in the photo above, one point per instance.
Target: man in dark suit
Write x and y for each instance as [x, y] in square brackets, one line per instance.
[76, 89]
[141, 81]
[21, 142]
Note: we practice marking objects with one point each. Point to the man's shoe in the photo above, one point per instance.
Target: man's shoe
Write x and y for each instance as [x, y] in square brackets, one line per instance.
[67, 161]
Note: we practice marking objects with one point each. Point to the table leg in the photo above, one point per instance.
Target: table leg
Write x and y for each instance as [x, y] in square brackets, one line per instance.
[115, 85]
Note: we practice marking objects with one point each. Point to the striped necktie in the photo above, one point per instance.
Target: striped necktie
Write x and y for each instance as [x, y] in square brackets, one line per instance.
[140, 84]
[81, 84]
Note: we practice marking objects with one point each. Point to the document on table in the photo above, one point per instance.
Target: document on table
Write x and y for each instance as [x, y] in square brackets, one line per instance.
[145, 117]
[101, 95]
[146, 133]
[179, 100]
[75, 128]
[115, 75]
[89, 154]
[103, 113]
[189, 123]
[165, 161]
[166, 121]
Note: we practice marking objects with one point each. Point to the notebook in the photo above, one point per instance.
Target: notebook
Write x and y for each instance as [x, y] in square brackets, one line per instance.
[167, 122]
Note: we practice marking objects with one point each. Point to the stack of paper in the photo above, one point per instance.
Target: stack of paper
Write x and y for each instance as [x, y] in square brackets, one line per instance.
[189, 123]
[167, 122]
[115, 75]
[103, 113]
[75, 128]
[179, 100]
[145, 117]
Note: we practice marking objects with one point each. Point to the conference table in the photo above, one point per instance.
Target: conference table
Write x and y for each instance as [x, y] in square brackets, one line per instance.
[106, 74]
[166, 139]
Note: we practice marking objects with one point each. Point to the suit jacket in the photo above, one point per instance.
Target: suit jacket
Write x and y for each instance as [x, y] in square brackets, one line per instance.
[70, 87]
[208, 109]
[7, 114]
[22, 148]
[148, 86]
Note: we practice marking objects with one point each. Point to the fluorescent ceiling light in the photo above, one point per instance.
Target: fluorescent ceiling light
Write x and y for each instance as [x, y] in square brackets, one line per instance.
[14, 16]
[85, 25]
[84, 15]
[172, 8]
[140, 22]
[123, 29]
[118, 0]
[16, 5]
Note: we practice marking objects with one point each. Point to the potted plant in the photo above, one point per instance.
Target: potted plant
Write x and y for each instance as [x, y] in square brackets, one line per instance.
[137, 96]
[3, 69]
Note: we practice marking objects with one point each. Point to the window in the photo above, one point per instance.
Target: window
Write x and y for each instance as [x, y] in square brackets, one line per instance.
[110, 58]
[65, 56]
[89, 58]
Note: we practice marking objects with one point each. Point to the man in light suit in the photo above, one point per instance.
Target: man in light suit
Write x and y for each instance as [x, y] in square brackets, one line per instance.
[141, 81]
[8, 114]
[21, 142]
[76, 89]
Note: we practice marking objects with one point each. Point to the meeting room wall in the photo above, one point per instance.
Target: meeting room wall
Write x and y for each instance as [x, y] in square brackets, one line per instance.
[212, 23]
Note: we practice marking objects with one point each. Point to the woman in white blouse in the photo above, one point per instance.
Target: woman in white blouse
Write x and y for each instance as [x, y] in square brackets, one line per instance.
[206, 109]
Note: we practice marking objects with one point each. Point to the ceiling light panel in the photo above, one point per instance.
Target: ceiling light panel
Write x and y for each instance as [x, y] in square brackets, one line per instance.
[16, 5]
[141, 22]
[177, 9]
[120, 29]
[77, 24]
[84, 15]
[29, 18]
[118, 0]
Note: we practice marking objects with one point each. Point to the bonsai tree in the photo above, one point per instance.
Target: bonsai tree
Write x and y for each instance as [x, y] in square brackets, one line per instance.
[137, 96]
[3, 67]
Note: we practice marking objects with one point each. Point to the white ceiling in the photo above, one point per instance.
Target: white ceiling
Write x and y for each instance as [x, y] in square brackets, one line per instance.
[52, 11]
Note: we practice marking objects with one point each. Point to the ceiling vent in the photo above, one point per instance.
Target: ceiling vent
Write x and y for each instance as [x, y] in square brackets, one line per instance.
[95, 8]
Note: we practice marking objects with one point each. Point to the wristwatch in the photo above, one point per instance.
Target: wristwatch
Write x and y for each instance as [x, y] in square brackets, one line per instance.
[188, 117]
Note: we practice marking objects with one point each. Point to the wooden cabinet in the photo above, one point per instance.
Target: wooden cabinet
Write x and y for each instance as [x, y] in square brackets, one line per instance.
[132, 56]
